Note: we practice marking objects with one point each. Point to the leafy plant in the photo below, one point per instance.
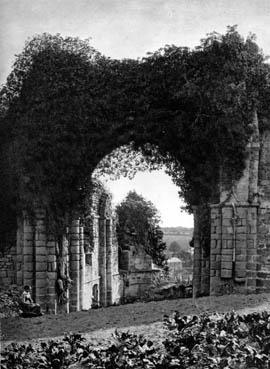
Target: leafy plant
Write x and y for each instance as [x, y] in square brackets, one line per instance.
[217, 341]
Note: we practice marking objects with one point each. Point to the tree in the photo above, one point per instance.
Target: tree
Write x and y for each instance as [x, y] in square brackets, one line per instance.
[138, 225]
[174, 247]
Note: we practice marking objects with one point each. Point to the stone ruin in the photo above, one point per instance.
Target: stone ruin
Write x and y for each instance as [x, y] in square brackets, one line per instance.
[239, 259]
[80, 271]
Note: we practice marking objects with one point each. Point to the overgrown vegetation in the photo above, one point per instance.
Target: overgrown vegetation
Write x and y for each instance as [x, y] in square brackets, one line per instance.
[227, 341]
[65, 107]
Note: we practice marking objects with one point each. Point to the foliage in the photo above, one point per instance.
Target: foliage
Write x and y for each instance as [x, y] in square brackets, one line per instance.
[219, 341]
[138, 225]
[51, 355]
[10, 302]
[124, 161]
[174, 247]
[65, 107]
[184, 255]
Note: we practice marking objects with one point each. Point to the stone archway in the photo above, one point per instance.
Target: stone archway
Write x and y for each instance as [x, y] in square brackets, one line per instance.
[58, 141]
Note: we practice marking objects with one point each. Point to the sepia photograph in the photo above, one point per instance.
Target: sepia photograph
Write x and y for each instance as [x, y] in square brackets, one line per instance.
[134, 184]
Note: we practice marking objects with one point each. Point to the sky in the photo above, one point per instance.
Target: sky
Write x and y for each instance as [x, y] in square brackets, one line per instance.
[130, 29]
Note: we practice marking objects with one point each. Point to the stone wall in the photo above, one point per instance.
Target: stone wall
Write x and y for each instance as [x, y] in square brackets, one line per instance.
[240, 227]
[136, 284]
[137, 272]
[87, 255]
[201, 260]
[233, 248]
[8, 268]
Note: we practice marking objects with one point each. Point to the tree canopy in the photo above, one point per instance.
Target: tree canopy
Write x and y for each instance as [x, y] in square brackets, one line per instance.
[65, 107]
[138, 225]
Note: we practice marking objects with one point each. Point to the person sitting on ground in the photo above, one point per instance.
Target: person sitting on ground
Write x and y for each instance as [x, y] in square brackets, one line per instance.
[28, 306]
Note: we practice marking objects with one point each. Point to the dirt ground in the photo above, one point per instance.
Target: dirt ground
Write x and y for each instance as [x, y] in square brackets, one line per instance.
[141, 318]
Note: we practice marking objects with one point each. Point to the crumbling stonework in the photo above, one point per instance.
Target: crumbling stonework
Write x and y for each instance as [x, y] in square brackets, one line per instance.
[87, 255]
[238, 261]
[137, 271]
[8, 269]
[240, 228]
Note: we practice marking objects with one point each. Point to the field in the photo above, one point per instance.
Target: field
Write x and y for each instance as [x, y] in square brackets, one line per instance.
[178, 234]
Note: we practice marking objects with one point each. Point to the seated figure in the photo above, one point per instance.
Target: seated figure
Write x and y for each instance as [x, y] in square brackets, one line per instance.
[29, 308]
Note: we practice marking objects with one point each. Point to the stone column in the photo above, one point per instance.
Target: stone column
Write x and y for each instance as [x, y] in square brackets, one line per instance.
[19, 251]
[51, 275]
[82, 268]
[41, 259]
[228, 241]
[215, 250]
[102, 261]
[75, 266]
[197, 256]
[252, 250]
[109, 260]
[28, 257]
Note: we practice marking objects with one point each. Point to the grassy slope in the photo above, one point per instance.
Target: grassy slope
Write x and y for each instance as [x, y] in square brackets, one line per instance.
[124, 316]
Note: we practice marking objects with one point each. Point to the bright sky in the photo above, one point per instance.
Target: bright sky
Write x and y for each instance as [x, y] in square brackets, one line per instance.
[129, 29]
[158, 188]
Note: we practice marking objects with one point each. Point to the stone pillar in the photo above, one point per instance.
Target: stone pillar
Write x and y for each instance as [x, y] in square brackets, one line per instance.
[254, 158]
[41, 259]
[102, 261]
[109, 260]
[228, 241]
[75, 266]
[215, 249]
[51, 275]
[82, 268]
[233, 248]
[19, 251]
[252, 249]
[28, 257]
[197, 256]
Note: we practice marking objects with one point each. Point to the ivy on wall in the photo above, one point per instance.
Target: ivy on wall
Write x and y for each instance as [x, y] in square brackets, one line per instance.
[65, 107]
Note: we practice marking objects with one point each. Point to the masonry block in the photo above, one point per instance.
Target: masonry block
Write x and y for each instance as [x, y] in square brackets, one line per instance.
[226, 273]
[28, 274]
[226, 265]
[226, 258]
[28, 266]
[41, 266]
[227, 252]
[227, 212]
[41, 283]
[28, 258]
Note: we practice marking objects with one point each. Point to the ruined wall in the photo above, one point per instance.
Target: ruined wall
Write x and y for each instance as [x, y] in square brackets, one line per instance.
[86, 255]
[263, 242]
[136, 284]
[201, 260]
[233, 248]
[137, 273]
[240, 226]
[8, 268]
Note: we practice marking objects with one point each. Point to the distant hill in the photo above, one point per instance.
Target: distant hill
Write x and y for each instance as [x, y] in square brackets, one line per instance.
[177, 230]
[181, 235]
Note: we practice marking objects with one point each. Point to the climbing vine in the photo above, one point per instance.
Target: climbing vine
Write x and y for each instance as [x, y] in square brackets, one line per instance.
[65, 107]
